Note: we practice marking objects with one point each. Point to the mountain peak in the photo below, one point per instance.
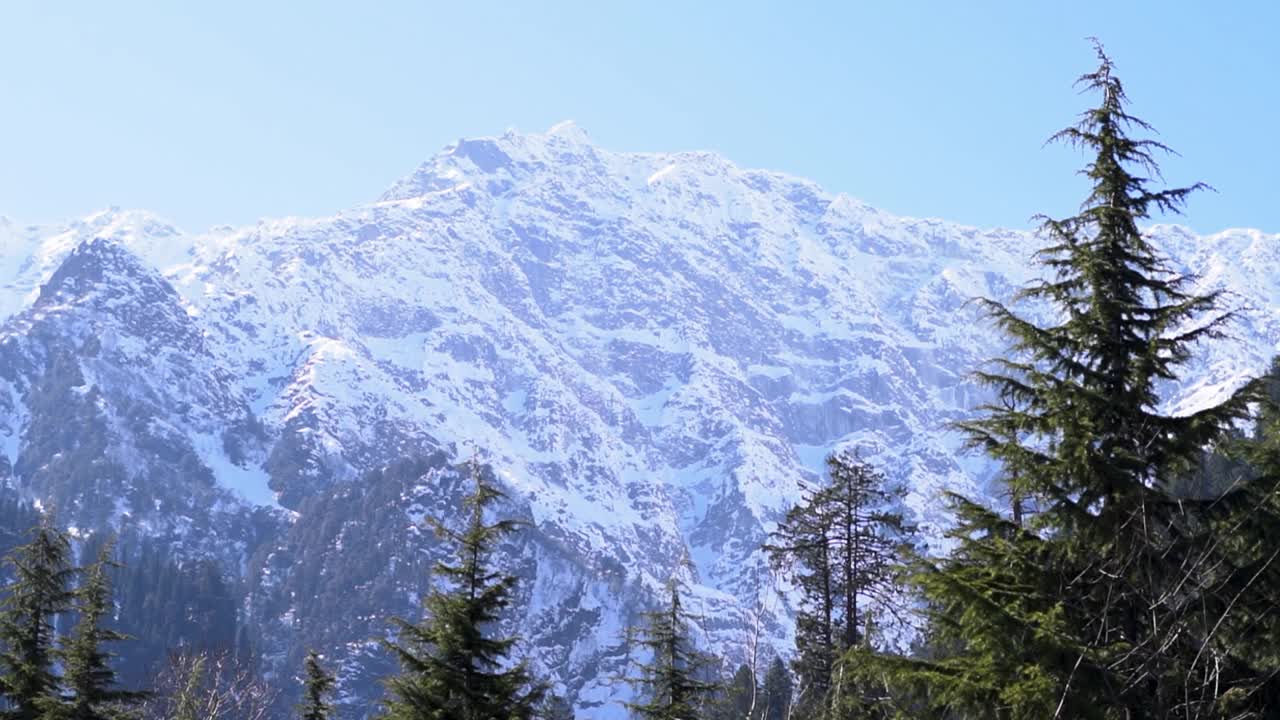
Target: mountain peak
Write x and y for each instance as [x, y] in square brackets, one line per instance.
[478, 158]
[97, 255]
[100, 264]
[569, 130]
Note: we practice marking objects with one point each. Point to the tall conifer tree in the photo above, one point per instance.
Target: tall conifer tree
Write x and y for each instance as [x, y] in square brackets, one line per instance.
[777, 691]
[89, 681]
[841, 546]
[454, 668]
[1096, 606]
[741, 699]
[671, 684]
[39, 593]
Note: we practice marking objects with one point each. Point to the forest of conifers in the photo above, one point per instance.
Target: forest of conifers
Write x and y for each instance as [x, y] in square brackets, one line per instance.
[1131, 574]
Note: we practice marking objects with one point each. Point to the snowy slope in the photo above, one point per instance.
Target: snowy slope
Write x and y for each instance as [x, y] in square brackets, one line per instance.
[654, 350]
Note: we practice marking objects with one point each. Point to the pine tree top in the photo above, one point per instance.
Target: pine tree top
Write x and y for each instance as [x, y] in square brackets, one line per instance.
[1076, 421]
[319, 685]
[1096, 607]
[455, 663]
[39, 592]
[674, 681]
[88, 676]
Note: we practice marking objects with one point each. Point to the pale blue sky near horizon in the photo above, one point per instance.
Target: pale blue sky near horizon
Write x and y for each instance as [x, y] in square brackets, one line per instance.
[221, 113]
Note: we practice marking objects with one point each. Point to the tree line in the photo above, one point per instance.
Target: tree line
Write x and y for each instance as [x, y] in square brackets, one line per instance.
[1132, 575]
[58, 662]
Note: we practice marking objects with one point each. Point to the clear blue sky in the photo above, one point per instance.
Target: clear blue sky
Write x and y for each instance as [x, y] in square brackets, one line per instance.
[222, 112]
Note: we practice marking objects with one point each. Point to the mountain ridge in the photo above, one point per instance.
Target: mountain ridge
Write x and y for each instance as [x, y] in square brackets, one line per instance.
[655, 351]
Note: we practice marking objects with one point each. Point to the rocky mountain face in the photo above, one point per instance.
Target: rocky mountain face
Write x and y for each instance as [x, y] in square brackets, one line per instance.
[653, 352]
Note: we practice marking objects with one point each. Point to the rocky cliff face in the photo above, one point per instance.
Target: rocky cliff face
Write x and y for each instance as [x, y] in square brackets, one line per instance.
[653, 351]
[116, 411]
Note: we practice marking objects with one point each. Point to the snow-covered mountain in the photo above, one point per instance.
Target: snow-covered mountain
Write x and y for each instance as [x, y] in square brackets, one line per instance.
[653, 352]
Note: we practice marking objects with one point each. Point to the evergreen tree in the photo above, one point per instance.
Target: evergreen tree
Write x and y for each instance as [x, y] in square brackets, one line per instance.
[163, 604]
[38, 594]
[841, 546]
[1246, 644]
[741, 700]
[452, 664]
[777, 691]
[319, 685]
[89, 679]
[1102, 604]
[17, 517]
[802, 547]
[670, 682]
